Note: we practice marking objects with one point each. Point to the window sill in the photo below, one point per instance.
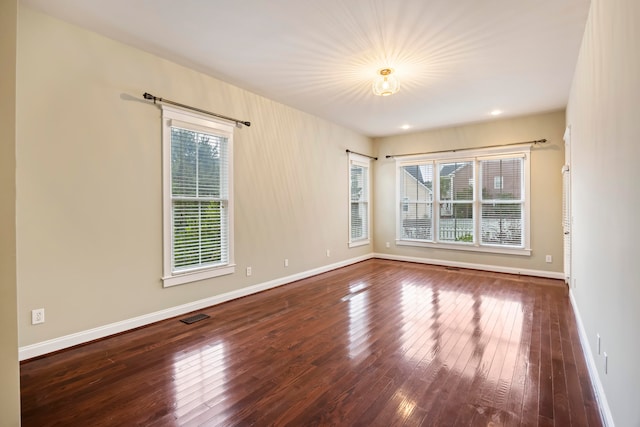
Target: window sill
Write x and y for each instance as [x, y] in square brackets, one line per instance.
[359, 243]
[466, 247]
[195, 275]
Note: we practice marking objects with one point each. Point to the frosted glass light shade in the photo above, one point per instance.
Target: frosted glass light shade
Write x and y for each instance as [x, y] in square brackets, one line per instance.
[386, 83]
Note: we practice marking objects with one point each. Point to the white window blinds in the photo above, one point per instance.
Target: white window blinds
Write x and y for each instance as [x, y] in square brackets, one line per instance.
[502, 205]
[199, 195]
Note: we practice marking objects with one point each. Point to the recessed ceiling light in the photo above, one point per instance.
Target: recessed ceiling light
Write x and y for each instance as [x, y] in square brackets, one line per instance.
[405, 127]
[496, 112]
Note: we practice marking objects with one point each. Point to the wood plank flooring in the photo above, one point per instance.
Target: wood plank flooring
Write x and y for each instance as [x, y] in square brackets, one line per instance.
[379, 343]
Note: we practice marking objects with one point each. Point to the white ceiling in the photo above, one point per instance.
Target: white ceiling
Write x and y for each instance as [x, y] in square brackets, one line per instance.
[456, 60]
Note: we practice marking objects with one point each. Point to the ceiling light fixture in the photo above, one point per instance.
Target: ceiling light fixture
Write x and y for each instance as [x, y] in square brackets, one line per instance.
[386, 83]
[496, 112]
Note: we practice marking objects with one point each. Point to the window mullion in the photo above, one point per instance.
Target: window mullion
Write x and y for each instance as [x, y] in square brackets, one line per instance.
[477, 196]
[200, 233]
[436, 208]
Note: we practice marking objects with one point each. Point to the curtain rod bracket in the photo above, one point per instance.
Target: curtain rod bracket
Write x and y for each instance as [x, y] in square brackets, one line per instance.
[239, 123]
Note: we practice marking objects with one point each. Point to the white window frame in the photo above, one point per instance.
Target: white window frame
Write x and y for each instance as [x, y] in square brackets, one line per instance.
[364, 162]
[199, 123]
[476, 156]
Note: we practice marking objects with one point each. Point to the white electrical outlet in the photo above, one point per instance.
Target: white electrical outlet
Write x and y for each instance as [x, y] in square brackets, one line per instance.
[249, 271]
[328, 252]
[286, 262]
[388, 244]
[548, 258]
[37, 316]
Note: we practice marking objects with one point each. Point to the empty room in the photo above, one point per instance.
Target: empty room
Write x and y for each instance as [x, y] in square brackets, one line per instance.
[366, 212]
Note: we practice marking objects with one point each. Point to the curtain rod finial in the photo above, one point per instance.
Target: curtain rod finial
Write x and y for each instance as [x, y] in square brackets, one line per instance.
[147, 95]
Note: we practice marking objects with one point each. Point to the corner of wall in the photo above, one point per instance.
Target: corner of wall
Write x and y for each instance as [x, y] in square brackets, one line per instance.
[598, 389]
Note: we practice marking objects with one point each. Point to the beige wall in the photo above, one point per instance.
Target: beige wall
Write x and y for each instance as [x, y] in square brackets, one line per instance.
[603, 114]
[546, 187]
[9, 368]
[89, 181]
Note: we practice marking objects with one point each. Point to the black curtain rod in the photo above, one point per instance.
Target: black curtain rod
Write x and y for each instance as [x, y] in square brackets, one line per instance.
[363, 155]
[537, 141]
[155, 99]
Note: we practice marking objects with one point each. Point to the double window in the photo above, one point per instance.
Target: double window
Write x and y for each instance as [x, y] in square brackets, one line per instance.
[359, 212]
[440, 204]
[198, 231]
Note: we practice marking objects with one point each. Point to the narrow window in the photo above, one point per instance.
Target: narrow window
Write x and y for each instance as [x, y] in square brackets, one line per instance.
[359, 212]
[198, 202]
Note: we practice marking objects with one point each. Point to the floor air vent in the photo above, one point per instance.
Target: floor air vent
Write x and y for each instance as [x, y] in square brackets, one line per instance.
[195, 318]
[452, 268]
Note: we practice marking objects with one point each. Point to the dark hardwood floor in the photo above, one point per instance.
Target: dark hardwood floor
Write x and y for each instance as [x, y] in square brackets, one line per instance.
[377, 343]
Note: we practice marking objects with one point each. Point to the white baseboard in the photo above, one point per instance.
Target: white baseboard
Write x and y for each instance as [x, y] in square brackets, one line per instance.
[484, 267]
[598, 389]
[49, 346]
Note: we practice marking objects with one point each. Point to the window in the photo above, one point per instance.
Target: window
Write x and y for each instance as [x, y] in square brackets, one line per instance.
[198, 203]
[440, 205]
[358, 200]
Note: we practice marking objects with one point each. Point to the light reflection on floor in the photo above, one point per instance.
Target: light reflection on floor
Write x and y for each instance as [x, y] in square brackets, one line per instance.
[359, 332]
[450, 322]
[200, 378]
